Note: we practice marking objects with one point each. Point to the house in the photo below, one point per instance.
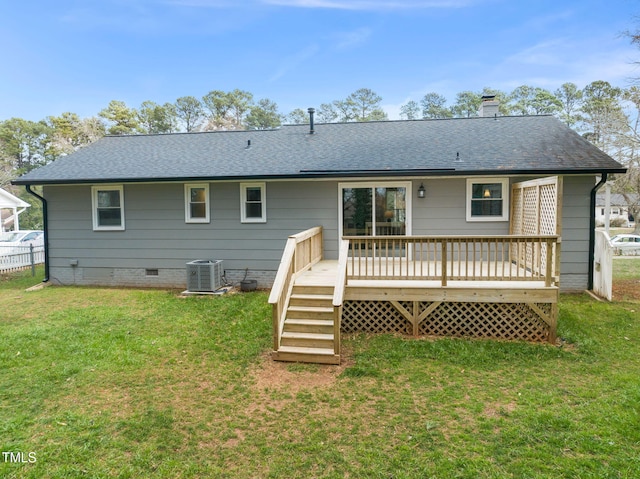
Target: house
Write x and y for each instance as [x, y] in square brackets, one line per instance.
[133, 210]
[10, 208]
[619, 214]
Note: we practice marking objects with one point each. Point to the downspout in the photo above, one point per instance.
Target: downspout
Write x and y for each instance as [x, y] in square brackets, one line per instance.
[592, 229]
[46, 232]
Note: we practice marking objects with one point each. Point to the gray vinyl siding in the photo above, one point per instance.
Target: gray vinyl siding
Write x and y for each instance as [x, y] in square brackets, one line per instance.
[576, 213]
[443, 210]
[157, 236]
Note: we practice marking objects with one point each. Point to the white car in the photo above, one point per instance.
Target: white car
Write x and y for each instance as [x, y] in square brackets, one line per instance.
[626, 244]
[18, 241]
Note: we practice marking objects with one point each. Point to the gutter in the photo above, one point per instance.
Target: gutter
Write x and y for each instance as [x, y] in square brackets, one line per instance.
[319, 174]
[592, 229]
[46, 231]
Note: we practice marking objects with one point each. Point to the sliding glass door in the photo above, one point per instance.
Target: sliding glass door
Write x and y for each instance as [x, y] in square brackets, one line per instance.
[374, 209]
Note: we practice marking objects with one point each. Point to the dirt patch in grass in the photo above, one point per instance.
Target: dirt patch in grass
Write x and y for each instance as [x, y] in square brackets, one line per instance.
[275, 383]
[295, 377]
[626, 290]
[495, 410]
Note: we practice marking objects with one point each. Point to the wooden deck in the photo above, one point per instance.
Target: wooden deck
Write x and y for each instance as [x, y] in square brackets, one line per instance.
[495, 295]
[324, 273]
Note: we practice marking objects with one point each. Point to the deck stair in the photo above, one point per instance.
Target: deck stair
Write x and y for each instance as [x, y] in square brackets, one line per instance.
[308, 333]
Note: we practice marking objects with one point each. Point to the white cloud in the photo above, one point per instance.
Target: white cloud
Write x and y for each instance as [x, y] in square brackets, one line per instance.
[371, 4]
[553, 62]
[615, 66]
[355, 38]
[393, 110]
[544, 53]
[292, 62]
[203, 3]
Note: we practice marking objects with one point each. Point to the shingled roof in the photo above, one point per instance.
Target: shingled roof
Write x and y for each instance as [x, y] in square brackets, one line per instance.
[468, 146]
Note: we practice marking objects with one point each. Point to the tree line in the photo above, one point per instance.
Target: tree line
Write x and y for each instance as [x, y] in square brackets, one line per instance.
[25, 144]
[606, 115]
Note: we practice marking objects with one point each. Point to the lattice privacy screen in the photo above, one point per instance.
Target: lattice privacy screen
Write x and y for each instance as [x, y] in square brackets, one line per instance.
[535, 207]
[536, 210]
[513, 321]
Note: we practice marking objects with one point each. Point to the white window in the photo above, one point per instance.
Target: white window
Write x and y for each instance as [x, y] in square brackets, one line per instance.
[488, 199]
[108, 208]
[196, 203]
[253, 205]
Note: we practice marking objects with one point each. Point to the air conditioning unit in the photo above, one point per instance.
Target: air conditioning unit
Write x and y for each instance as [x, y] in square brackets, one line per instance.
[204, 275]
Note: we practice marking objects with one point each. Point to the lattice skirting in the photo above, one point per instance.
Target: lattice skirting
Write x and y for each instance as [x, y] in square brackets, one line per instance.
[521, 321]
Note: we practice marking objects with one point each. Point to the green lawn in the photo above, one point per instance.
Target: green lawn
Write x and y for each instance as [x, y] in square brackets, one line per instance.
[103, 383]
[626, 268]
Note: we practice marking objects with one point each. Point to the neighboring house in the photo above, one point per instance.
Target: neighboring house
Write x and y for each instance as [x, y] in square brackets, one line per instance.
[133, 210]
[10, 208]
[618, 210]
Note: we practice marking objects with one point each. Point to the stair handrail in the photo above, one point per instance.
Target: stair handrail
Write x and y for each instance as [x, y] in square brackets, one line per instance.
[301, 251]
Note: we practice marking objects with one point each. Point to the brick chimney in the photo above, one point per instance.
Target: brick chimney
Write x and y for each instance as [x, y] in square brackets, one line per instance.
[489, 106]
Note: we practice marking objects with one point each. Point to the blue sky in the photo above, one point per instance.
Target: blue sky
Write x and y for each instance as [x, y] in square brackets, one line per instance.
[77, 55]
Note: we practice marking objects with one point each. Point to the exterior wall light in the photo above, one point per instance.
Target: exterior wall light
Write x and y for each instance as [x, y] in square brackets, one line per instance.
[421, 191]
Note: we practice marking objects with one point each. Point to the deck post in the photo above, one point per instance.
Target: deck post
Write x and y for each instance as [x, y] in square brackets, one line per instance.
[337, 317]
[549, 264]
[444, 262]
[275, 317]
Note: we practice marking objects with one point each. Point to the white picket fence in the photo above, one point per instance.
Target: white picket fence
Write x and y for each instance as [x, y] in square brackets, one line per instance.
[15, 258]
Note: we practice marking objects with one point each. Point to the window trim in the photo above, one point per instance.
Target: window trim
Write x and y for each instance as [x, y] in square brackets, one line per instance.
[506, 193]
[94, 207]
[243, 202]
[187, 203]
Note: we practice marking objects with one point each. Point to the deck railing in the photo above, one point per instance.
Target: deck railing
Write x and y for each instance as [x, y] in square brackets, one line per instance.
[302, 251]
[449, 258]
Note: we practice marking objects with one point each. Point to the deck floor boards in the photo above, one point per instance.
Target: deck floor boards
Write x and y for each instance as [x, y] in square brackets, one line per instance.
[322, 273]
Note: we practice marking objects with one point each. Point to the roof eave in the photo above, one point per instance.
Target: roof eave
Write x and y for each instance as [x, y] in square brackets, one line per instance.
[319, 174]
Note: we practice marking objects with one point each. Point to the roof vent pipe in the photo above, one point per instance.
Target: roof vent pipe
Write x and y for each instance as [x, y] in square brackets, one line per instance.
[311, 112]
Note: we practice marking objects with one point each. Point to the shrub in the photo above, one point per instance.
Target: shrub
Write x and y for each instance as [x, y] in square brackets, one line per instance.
[618, 222]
